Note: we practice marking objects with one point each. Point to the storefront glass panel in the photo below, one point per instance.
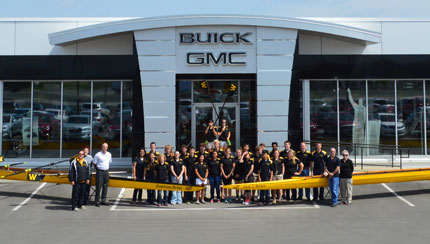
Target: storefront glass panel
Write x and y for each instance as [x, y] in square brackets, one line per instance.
[410, 108]
[47, 118]
[323, 112]
[105, 113]
[127, 121]
[16, 103]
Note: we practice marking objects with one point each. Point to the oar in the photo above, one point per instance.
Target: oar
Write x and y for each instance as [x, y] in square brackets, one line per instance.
[9, 165]
[40, 167]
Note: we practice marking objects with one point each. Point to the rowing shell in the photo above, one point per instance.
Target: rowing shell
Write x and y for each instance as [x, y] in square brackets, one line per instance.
[62, 177]
[362, 178]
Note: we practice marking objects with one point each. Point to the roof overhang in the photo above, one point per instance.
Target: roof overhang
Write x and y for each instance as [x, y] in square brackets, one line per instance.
[356, 34]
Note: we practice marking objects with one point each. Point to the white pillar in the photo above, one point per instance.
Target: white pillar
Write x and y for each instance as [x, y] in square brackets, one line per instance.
[306, 111]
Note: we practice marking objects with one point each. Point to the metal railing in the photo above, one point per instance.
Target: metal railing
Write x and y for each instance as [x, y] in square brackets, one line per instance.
[363, 150]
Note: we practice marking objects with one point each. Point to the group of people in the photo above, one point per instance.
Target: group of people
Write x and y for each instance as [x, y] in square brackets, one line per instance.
[220, 166]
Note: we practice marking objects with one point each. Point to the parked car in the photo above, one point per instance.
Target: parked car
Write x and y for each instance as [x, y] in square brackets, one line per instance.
[96, 107]
[48, 126]
[388, 124]
[99, 118]
[114, 128]
[329, 123]
[77, 127]
[57, 114]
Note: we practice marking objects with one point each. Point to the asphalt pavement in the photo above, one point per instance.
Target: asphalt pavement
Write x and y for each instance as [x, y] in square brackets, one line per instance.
[391, 213]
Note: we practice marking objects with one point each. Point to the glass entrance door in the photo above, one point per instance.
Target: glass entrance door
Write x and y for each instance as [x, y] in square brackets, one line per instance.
[204, 112]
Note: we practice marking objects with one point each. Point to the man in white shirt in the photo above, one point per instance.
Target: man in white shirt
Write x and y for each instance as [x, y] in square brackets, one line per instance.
[101, 161]
[89, 159]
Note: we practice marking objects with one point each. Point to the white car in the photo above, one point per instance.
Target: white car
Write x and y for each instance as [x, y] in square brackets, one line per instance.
[57, 113]
[388, 124]
[77, 127]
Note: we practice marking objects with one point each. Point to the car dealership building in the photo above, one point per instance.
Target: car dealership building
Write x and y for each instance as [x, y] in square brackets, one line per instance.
[70, 82]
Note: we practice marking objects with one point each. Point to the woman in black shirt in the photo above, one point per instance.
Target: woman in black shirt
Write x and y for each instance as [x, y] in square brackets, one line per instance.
[293, 167]
[139, 164]
[162, 176]
[149, 175]
[201, 171]
[227, 170]
[214, 165]
[346, 169]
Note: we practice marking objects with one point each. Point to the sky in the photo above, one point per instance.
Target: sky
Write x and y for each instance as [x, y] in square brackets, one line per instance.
[150, 8]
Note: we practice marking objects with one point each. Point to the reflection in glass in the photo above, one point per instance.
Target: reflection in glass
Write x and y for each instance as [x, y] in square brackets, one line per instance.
[16, 103]
[352, 113]
[77, 126]
[410, 107]
[248, 110]
[183, 108]
[127, 122]
[381, 111]
[46, 119]
[105, 113]
[323, 114]
[217, 92]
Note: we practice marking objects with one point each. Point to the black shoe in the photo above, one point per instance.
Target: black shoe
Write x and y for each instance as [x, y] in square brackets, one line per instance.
[105, 203]
[97, 204]
[333, 205]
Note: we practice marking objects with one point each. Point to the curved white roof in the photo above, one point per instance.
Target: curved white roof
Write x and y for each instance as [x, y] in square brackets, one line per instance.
[128, 25]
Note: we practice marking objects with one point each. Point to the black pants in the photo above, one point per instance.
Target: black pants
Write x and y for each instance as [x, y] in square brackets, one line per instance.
[189, 194]
[87, 193]
[290, 193]
[102, 181]
[318, 192]
[78, 193]
[137, 193]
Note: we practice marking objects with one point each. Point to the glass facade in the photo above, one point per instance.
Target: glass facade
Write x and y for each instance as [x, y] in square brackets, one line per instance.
[375, 112]
[52, 119]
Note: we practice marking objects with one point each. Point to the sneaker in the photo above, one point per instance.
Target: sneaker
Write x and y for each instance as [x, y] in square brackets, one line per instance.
[226, 200]
[219, 201]
[105, 203]
[212, 201]
[188, 203]
[172, 203]
[83, 207]
[203, 201]
[166, 204]
[333, 205]
[158, 205]
[179, 203]
[348, 204]
[229, 200]
[76, 209]
[246, 203]
[197, 202]
[97, 204]
[274, 201]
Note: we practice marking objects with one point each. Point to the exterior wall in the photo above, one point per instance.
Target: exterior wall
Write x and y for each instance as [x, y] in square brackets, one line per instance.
[399, 36]
[275, 54]
[157, 65]
[30, 37]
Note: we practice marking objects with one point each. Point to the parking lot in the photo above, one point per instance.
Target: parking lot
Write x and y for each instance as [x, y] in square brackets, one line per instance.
[38, 212]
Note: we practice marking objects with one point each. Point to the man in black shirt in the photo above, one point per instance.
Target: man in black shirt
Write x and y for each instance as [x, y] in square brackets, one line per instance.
[79, 177]
[265, 174]
[190, 176]
[287, 146]
[331, 170]
[274, 148]
[317, 168]
[305, 157]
